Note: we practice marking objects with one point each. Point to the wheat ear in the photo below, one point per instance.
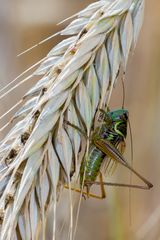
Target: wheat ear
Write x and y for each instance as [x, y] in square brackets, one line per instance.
[78, 76]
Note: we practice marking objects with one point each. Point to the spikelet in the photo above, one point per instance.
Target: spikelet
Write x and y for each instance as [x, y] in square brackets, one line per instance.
[77, 77]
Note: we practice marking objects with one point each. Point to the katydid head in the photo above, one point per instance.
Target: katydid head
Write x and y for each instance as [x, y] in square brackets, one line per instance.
[118, 120]
[117, 115]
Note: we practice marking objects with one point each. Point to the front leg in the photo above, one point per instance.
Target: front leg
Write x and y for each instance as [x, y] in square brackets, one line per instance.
[77, 128]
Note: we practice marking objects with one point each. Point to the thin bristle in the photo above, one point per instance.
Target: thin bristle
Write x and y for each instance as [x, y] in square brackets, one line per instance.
[21, 75]
[11, 109]
[38, 44]
[16, 86]
[69, 18]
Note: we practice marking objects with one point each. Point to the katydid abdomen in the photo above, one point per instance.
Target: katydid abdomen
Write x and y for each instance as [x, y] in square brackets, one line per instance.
[91, 166]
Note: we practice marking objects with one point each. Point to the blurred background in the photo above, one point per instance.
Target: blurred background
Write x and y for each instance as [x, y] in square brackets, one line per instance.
[24, 23]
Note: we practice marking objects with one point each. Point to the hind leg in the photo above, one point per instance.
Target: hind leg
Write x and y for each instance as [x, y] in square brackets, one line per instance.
[88, 194]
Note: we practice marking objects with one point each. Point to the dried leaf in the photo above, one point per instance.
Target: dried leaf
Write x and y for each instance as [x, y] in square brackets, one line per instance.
[46, 65]
[84, 105]
[24, 110]
[44, 189]
[63, 82]
[118, 7]
[34, 215]
[40, 133]
[74, 135]
[35, 90]
[103, 73]
[126, 34]
[74, 65]
[27, 221]
[64, 150]
[53, 166]
[104, 25]
[14, 132]
[87, 46]
[137, 16]
[74, 27]
[114, 54]
[92, 86]
[21, 224]
[62, 47]
[31, 168]
[91, 9]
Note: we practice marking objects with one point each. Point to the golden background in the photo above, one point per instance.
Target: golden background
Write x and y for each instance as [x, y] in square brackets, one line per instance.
[24, 23]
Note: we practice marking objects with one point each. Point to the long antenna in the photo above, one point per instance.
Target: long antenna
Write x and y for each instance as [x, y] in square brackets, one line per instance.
[131, 143]
[132, 157]
[124, 92]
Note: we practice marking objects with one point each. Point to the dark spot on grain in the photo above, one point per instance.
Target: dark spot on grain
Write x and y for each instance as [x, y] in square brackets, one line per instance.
[1, 216]
[24, 137]
[9, 199]
[12, 154]
[36, 114]
[83, 32]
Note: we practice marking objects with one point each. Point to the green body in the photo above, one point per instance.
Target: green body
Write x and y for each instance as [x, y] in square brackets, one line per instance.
[113, 131]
